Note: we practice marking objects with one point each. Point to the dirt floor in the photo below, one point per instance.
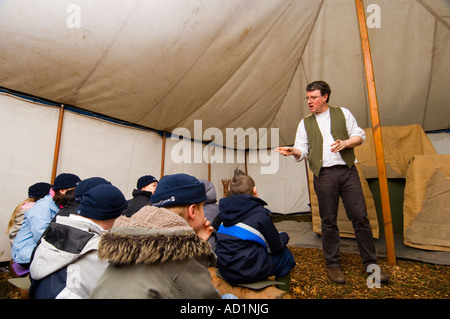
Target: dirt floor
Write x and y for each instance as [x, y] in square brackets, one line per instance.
[309, 279]
[408, 279]
[7, 291]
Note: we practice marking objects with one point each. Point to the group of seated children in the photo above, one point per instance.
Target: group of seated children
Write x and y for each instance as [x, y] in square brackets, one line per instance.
[107, 247]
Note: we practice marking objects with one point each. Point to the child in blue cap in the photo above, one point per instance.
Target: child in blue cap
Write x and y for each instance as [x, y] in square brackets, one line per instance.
[161, 251]
[38, 217]
[65, 264]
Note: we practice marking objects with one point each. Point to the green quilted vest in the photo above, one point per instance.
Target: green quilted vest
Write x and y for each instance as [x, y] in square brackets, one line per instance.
[315, 140]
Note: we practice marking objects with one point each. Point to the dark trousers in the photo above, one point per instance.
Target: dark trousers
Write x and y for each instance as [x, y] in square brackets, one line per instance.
[283, 262]
[340, 181]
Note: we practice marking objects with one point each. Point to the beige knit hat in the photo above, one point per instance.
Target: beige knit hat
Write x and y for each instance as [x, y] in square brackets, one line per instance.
[152, 221]
[151, 235]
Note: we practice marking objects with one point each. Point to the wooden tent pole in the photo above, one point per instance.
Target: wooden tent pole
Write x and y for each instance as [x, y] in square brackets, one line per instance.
[209, 172]
[57, 143]
[376, 128]
[163, 154]
[209, 163]
[245, 161]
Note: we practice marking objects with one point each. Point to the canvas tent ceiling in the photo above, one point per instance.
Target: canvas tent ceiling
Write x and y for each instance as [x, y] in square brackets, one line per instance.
[164, 64]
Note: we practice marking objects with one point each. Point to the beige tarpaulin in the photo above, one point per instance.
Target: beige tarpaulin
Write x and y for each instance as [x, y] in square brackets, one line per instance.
[426, 206]
[344, 224]
[401, 144]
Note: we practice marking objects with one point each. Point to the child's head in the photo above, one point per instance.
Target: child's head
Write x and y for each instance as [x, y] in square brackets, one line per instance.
[64, 188]
[184, 195]
[102, 204]
[242, 184]
[39, 190]
[147, 183]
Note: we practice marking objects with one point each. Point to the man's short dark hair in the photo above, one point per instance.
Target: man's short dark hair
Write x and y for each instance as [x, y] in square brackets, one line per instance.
[322, 86]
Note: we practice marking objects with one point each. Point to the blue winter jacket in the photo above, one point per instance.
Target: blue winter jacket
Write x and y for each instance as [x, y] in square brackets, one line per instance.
[245, 239]
[36, 220]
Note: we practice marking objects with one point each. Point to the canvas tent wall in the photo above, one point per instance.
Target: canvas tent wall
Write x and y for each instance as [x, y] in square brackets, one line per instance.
[441, 141]
[120, 153]
[229, 63]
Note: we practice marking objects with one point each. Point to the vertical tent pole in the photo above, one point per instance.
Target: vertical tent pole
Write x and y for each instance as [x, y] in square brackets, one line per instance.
[376, 128]
[163, 154]
[209, 162]
[57, 143]
[209, 172]
[245, 160]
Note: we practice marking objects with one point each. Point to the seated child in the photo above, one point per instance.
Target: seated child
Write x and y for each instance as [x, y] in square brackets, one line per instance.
[65, 264]
[35, 193]
[249, 247]
[38, 217]
[160, 252]
[145, 187]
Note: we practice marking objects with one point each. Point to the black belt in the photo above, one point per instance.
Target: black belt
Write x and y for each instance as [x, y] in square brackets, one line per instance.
[336, 167]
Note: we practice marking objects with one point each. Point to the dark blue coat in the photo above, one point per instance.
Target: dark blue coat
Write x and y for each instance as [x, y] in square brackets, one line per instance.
[245, 258]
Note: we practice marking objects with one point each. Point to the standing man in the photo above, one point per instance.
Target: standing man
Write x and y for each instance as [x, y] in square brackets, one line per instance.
[327, 137]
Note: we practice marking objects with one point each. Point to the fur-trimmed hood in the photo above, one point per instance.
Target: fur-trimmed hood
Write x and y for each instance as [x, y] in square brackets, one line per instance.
[152, 235]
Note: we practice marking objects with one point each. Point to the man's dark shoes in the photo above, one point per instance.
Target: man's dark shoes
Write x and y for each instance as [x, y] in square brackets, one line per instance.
[336, 275]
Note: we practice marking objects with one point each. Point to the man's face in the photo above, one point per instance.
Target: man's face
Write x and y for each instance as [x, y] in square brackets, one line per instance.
[316, 102]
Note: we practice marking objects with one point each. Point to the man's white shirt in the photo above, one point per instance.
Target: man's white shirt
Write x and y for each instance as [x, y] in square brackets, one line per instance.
[323, 120]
